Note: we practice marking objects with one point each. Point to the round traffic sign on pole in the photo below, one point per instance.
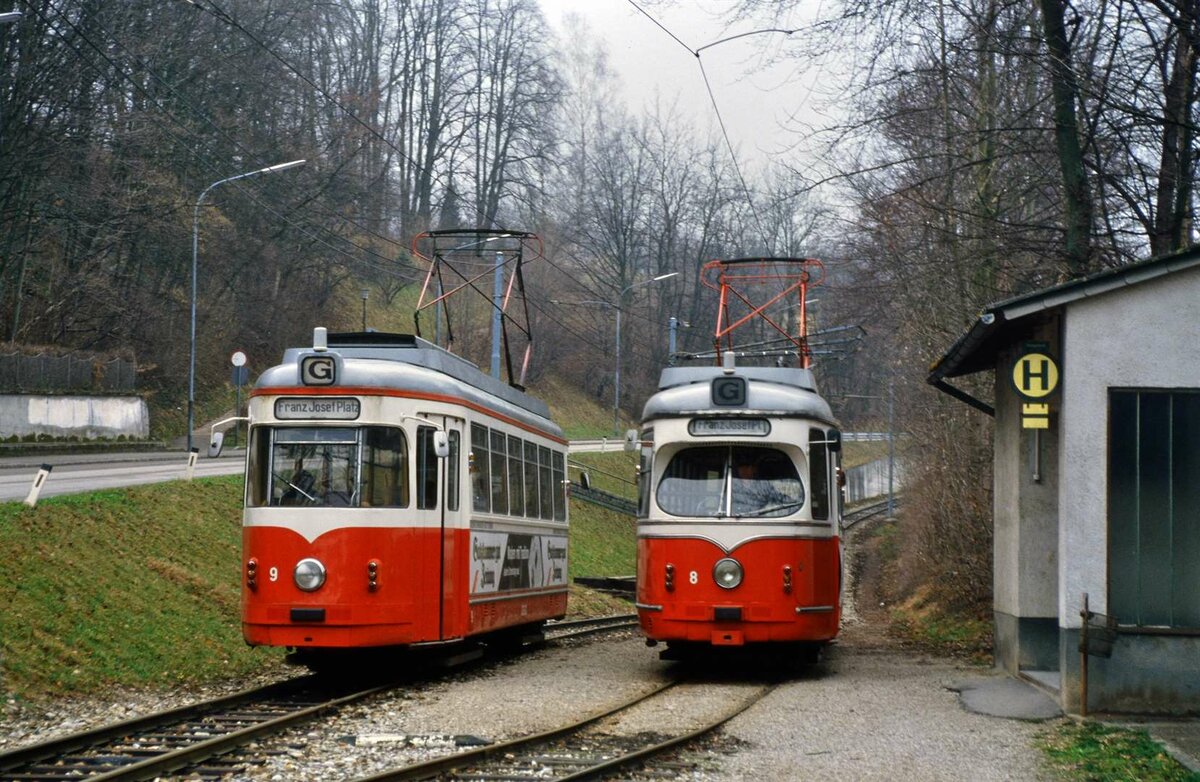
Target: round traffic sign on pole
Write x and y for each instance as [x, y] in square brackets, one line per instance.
[238, 359]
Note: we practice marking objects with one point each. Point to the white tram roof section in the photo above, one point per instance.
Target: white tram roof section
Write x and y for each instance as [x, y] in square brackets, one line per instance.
[779, 391]
[410, 363]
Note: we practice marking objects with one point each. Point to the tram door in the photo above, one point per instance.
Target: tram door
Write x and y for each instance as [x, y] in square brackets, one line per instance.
[455, 537]
[438, 503]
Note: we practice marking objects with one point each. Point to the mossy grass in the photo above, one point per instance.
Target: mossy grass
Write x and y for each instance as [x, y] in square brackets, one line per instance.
[1097, 752]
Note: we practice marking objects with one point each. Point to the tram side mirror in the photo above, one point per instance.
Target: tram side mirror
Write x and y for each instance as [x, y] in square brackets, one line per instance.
[216, 441]
[585, 481]
[835, 440]
[631, 440]
[441, 444]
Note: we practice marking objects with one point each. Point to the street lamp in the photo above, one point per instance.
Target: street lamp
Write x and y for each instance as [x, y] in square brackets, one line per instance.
[191, 408]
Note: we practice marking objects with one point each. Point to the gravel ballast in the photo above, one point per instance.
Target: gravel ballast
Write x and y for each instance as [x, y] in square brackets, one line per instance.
[866, 712]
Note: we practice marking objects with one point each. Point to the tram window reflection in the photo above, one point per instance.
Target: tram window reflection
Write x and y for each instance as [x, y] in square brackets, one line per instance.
[723, 481]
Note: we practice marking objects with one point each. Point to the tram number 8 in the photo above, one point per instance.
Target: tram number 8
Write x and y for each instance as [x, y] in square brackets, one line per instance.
[273, 573]
[693, 577]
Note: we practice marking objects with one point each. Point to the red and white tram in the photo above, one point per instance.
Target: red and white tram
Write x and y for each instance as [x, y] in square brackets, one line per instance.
[397, 495]
[740, 505]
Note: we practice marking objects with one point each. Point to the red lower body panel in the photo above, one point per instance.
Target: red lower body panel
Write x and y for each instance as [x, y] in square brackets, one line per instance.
[421, 591]
[790, 591]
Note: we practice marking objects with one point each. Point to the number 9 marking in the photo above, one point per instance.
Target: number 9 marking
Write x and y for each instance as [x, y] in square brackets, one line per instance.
[693, 577]
[273, 574]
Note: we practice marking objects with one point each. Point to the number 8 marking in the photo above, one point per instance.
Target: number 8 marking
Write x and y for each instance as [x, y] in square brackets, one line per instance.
[693, 577]
[274, 574]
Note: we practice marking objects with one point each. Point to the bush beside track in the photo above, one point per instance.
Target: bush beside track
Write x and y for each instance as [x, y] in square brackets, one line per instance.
[139, 586]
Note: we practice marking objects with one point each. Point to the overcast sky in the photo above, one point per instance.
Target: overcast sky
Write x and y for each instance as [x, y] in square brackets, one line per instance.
[755, 98]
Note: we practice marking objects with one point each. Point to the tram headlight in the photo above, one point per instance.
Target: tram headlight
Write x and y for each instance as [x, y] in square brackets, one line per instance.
[309, 574]
[727, 573]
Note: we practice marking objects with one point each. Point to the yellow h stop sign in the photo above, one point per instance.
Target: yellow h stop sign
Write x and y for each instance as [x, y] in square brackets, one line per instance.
[1035, 375]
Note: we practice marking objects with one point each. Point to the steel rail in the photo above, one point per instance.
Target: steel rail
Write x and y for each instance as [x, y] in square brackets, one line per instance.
[604, 767]
[34, 760]
[428, 768]
[52, 748]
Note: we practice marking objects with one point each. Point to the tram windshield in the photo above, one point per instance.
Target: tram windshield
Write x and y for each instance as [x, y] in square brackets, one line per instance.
[730, 482]
[338, 466]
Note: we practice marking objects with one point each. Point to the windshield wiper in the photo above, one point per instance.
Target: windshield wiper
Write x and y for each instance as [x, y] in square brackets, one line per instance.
[297, 488]
[770, 509]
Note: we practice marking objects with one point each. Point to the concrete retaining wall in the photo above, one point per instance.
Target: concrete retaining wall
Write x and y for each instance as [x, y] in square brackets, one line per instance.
[85, 417]
[871, 480]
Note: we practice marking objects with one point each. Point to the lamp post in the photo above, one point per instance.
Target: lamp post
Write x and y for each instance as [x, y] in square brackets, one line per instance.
[617, 308]
[365, 293]
[191, 407]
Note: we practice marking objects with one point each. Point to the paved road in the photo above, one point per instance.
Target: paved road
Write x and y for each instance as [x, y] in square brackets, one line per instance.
[75, 473]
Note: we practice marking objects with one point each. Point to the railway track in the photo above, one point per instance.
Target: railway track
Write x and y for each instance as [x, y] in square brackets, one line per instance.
[576, 751]
[196, 736]
[866, 512]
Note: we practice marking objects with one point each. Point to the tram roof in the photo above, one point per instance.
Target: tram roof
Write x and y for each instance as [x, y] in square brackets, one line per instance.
[409, 362]
[785, 391]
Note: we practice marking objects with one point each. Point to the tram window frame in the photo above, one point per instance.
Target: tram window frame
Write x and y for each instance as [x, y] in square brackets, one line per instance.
[645, 471]
[1153, 518]
[370, 468]
[532, 500]
[499, 475]
[718, 493]
[426, 479]
[516, 476]
[258, 463]
[818, 474]
[360, 470]
[558, 463]
[452, 470]
[481, 492]
[545, 484]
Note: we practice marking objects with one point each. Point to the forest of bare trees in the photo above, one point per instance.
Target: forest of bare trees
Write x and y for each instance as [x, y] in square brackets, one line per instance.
[983, 148]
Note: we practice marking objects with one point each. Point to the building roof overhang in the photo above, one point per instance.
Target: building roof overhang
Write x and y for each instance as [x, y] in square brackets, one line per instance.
[1005, 322]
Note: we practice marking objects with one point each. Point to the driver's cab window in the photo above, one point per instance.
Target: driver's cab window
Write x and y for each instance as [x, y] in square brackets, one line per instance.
[314, 466]
[730, 481]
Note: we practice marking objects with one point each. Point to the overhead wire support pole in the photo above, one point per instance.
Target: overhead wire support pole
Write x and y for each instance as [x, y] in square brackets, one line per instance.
[191, 403]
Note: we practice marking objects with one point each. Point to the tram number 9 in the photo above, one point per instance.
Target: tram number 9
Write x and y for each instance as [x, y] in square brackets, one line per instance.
[273, 574]
[693, 578]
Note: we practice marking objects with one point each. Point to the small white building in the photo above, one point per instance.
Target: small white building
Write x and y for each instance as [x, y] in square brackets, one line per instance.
[1097, 480]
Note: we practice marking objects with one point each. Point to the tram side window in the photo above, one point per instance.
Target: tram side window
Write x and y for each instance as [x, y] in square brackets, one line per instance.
[385, 468]
[545, 483]
[818, 476]
[531, 480]
[452, 468]
[256, 469]
[516, 477]
[645, 466]
[480, 485]
[560, 493]
[427, 469]
[499, 474]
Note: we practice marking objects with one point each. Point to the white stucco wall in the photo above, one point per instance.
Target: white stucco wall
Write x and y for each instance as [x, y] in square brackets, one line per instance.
[86, 417]
[1145, 336]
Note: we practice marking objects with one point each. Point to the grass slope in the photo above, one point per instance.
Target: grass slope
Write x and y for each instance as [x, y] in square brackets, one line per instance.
[139, 586]
[136, 586]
